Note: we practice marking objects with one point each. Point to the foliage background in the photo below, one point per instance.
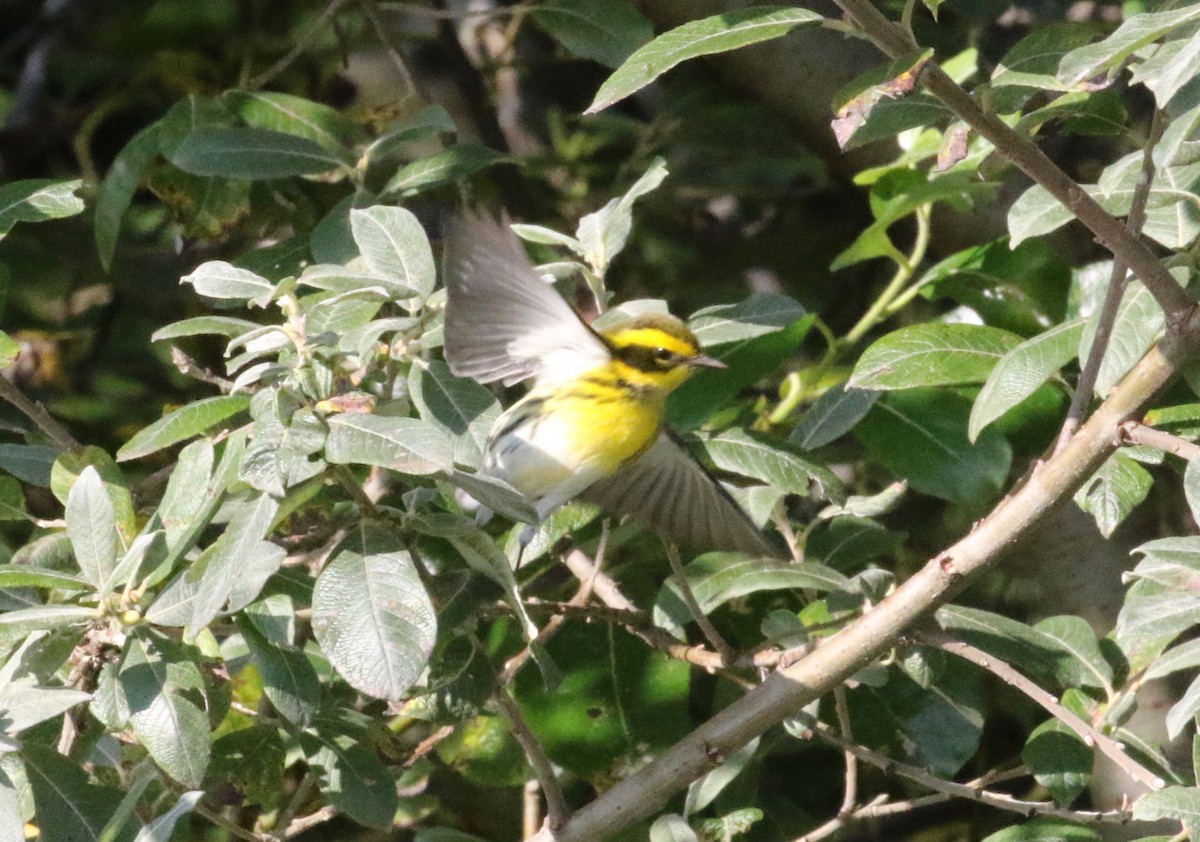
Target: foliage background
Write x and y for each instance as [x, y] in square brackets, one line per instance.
[189, 632]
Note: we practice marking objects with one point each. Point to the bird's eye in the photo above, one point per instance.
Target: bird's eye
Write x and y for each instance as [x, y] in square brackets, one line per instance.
[663, 356]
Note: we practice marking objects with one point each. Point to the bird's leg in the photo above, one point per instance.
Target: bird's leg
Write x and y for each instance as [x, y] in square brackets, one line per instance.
[710, 631]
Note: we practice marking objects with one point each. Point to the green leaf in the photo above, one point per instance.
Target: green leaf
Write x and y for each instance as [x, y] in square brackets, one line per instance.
[832, 416]
[884, 101]
[921, 436]
[1185, 656]
[740, 821]
[27, 576]
[938, 727]
[161, 828]
[716, 578]
[773, 461]
[46, 617]
[181, 504]
[250, 154]
[68, 806]
[1083, 63]
[465, 409]
[851, 543]
[1173, 65]
[1059, 760]
[12, 825]
[1151, 615]
[408, 445]
[932, 354]
[1183, 712]
[606, 31]
[239, 563]
[23, 704]
[36, 200]
[203, 326]
[395, 248]
[173, 730]
[702, 791]
[350, 775]
[716, 34]
[1045, 830]
[1009, 640]
[1139, 321]
[371, 614]
[1087, 666]
[289, 680]
[182, 424]
[29, 463]
[756, 316]
[1180, 803]
[120, 183]
[446, 167]
[221, 280]
[92, 527]
[12, 499]
[1034, 61]
[430, 120]
[672, 828]
[867, 505]
[1022, 371]
[901, 193]
[604, 233]
[618, 699]
[1114, 491]
[10, 349]
[295, 116]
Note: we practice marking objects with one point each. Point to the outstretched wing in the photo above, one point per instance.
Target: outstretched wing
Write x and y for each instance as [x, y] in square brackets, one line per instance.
[502, 321]
[670, 493]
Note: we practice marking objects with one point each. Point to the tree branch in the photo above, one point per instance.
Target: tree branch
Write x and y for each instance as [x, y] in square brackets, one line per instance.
[1115, 236]
[1135, 432]
[37, 413]
[973, 791]
[1092, 737]
[1116, 290]
[789, 689]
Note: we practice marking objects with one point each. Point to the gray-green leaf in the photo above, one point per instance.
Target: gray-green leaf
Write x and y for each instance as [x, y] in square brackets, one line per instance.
[371, 614]
[716, 34]
[932, 354]
[184, 423]
[1021, 371]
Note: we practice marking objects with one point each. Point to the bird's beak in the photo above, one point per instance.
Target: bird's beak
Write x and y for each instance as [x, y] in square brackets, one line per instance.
[705, 361]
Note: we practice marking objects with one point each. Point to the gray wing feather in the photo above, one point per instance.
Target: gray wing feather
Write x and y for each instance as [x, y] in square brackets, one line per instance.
[670, 493]
[502, 321]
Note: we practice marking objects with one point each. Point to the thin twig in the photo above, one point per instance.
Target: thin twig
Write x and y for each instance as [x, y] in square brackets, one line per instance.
[228, 826]
[303, 823]
[297, 50]
[368, 7]
[37, 413]
[1135, 432]
[895, 42]
[850, 788]
[971, 791]
[531, 809]
[190, 368]
[1112, 297]
[556, 805]
[1086, 731]
[581, 598]
[305, 790]
[838, 822]
[685, 590]
[418, 10]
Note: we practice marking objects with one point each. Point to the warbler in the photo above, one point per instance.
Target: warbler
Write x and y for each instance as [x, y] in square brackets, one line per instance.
[591, 426]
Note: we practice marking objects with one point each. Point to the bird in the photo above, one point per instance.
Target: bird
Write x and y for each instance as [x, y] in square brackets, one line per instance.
[591, 426]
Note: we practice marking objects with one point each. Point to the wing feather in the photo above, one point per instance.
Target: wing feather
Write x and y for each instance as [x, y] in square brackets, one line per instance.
[502, 321]
[670, 493]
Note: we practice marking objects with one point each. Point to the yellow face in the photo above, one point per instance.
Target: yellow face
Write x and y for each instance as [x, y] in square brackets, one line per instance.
[656, 352]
